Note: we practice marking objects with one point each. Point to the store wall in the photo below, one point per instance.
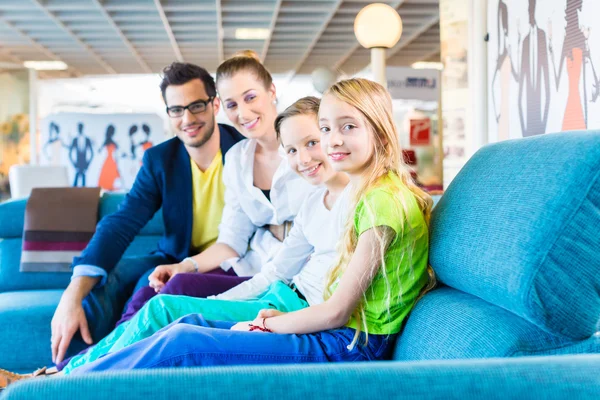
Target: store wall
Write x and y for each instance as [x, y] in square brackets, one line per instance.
[456, 95]
[543, 67]
[14, 123]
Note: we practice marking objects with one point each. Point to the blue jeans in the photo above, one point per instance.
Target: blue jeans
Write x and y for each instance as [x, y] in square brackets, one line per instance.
[194, 341]
[104, 305]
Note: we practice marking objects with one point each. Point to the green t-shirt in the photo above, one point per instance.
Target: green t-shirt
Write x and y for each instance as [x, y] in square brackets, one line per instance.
[405, 272]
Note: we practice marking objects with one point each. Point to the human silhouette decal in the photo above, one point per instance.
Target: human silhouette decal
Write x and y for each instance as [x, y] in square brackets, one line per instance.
[81, 154]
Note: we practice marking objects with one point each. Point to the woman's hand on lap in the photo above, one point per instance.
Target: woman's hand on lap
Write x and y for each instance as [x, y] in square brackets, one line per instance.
[161, 274]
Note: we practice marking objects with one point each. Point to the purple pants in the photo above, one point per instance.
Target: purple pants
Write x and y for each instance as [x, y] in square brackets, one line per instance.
[193, 285]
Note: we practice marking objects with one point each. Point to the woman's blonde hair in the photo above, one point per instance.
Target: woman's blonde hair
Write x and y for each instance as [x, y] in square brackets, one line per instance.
[246, 60]
[308, 105]
[375, 105]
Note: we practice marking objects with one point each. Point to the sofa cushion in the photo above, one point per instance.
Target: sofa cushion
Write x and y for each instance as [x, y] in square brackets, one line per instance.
[59, 223]
[518, 227]
[25, 334]
[111, 202]
[142, 246]
[448, 324]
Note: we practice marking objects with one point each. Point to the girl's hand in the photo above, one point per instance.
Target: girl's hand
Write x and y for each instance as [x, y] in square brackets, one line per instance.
[241, 326]
[263, 316]
[268, 313]
[260, 319]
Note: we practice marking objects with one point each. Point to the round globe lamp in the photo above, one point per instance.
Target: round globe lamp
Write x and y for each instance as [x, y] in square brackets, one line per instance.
[378, 27]
[323, 78]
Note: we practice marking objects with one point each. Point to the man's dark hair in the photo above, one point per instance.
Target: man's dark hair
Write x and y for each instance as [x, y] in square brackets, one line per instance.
[181, 73]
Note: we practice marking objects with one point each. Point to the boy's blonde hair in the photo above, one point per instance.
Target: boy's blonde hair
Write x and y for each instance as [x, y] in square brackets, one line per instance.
[375, 104]
[308, 105]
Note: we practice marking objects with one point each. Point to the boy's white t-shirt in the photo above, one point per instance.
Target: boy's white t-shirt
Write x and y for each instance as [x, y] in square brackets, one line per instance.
[306, 254]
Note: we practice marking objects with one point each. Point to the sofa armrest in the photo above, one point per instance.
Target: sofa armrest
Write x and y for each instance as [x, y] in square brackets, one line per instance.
[552, 377]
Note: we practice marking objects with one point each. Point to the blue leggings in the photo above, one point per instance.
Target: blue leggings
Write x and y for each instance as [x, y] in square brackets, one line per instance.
[193, 341]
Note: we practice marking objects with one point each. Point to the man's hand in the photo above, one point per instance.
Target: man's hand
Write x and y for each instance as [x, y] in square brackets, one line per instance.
[69, 318]
[161, 274]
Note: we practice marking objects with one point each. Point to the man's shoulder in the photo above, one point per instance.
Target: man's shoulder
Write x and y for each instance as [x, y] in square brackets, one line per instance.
[231, 132]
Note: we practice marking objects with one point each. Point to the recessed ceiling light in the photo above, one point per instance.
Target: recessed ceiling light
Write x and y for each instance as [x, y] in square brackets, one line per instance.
[46, 65]
[252, 33]
[7, 65]
[428, 65]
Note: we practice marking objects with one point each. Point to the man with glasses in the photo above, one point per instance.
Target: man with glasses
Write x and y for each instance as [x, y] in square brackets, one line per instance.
[181, 175]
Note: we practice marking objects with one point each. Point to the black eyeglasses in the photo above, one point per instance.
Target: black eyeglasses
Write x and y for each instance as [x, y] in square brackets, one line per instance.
[197, 107]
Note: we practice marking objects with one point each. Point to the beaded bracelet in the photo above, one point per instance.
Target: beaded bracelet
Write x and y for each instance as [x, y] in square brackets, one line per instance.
[260, 328]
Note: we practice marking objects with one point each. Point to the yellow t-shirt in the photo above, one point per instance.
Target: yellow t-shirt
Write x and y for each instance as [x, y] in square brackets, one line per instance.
[208, 193]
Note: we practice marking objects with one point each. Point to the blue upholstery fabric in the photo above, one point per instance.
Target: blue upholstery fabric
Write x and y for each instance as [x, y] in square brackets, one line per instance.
[142, 246]
[518, 227]
[448, 324]
[12, 215]
[572, 377]
[25, 328]
[13, 279]
[111, 202]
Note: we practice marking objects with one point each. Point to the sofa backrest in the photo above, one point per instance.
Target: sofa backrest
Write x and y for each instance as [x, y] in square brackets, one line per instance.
[12, 214]
[518, 227]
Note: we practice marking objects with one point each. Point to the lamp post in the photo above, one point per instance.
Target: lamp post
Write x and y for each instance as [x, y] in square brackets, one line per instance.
[378, 27]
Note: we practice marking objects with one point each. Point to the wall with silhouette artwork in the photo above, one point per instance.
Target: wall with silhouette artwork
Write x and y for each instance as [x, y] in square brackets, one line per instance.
[543, 67]
[102, 150]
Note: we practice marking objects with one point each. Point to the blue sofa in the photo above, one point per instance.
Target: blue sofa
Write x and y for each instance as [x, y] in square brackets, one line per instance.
[515, 245]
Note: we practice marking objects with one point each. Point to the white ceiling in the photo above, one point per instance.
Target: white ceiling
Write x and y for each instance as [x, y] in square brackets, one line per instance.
[142, 36]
